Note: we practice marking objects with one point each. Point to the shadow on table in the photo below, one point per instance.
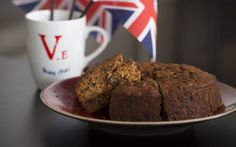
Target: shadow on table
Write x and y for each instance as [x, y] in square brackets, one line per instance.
[96, 138]
[53, 129]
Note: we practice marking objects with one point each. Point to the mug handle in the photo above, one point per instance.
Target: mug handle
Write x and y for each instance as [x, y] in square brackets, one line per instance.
[101, 48]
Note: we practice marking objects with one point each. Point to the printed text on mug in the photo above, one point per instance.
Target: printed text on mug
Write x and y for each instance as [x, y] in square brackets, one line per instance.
[51, 53]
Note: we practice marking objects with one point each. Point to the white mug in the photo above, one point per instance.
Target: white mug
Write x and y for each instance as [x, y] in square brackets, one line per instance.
[57, 48]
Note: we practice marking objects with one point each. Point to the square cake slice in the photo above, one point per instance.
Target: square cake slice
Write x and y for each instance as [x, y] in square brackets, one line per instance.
[94, 88]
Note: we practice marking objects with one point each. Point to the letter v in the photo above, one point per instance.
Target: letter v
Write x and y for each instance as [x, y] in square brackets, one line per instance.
[49, 53]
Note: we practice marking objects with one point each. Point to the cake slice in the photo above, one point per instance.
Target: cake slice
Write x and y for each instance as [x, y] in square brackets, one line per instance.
[182, 101]
[136, 101]
[187, 91]
[94, 88]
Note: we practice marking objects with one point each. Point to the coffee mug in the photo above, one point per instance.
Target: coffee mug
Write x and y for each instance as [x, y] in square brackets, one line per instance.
[57, 48]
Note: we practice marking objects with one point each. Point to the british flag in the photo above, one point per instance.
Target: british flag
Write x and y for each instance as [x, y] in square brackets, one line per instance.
[139, 17]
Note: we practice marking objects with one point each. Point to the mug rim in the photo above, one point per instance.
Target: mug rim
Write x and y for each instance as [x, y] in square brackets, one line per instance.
[31, 16]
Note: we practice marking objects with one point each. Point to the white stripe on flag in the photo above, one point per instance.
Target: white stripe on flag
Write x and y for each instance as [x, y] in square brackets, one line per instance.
[135, 15]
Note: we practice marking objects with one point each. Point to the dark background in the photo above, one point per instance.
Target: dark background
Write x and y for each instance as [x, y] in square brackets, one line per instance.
[201, 33]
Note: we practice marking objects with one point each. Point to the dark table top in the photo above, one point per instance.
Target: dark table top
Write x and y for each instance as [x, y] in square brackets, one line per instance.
[26, 122]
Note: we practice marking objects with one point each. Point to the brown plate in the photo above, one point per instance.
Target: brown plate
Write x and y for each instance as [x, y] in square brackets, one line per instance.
[60, 97]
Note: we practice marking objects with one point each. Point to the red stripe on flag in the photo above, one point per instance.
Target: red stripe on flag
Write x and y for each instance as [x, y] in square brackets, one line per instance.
[103, 24]
[92, 11]
[119, 4]
[138, 26]
[47, 5]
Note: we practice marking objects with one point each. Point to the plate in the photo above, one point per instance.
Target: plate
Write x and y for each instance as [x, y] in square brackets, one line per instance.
[60, 97]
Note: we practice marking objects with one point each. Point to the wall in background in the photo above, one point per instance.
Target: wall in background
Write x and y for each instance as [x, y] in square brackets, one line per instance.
[201, 33]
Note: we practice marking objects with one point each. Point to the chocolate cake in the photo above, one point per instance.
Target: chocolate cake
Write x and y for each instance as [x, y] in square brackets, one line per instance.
[94, 88]
[185, 92]
[149, 91]
[136, 101]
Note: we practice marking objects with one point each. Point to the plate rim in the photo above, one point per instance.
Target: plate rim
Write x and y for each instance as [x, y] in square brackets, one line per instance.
[128, 123]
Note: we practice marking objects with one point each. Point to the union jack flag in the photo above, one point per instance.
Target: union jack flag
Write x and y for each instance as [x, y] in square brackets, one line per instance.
[139, 17]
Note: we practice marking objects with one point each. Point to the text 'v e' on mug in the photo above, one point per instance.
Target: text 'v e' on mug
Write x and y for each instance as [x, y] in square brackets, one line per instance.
[57, 48]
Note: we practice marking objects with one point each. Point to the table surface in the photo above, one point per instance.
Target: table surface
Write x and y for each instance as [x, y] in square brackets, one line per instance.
[26, 122]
